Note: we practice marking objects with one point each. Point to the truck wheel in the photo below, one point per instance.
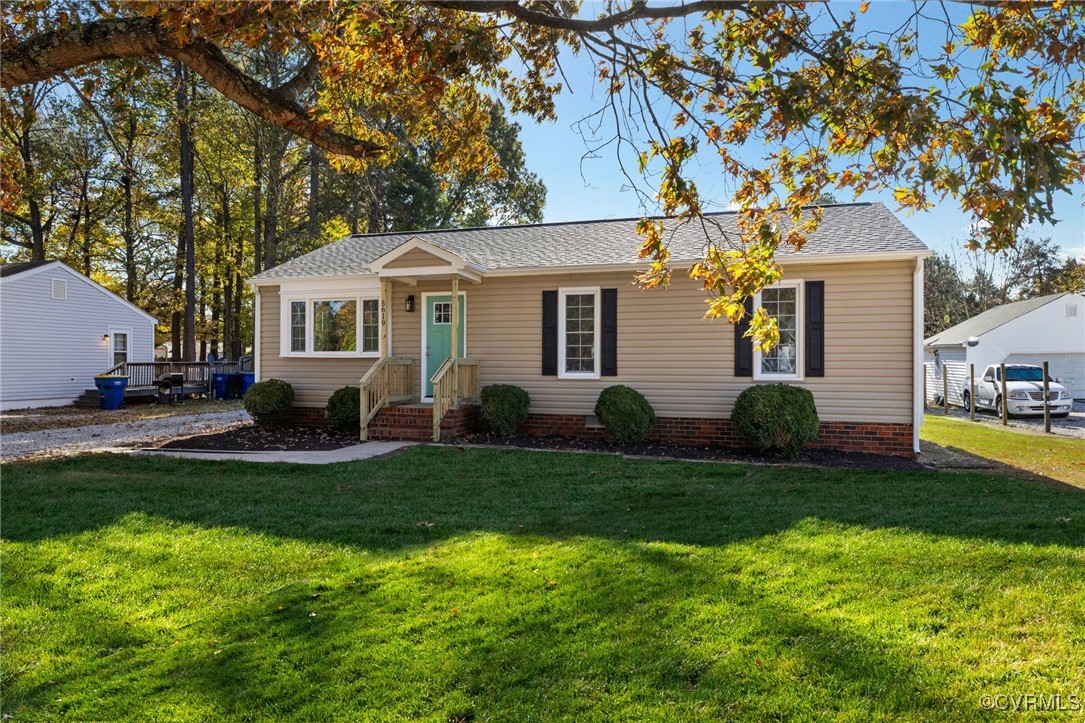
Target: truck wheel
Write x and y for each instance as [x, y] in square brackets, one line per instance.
[965, 401]
[998, 407]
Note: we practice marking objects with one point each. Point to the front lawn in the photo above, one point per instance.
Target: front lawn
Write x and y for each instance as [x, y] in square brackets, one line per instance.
[452, 584]
[1058, 458]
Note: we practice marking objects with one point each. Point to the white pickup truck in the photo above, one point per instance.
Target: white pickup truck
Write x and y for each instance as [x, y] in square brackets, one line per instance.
[1024, 392]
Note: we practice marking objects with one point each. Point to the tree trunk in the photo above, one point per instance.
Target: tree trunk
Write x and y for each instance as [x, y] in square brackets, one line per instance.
[131, 272]
[188, 234]
[258, 200]
[314, 192]
[177, 318]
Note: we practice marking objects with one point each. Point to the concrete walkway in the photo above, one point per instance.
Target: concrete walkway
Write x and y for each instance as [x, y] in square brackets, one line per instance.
[110, 437]
[368, 450]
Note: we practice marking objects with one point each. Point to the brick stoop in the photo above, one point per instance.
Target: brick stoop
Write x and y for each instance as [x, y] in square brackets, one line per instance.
[414, 422]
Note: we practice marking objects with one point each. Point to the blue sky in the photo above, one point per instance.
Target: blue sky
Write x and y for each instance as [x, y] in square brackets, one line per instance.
[580, 187]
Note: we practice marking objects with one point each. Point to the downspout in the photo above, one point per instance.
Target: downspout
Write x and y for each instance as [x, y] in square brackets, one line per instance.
[257, 298]
[917, 352]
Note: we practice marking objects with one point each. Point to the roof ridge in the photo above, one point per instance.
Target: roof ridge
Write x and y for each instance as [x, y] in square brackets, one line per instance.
[575, 223]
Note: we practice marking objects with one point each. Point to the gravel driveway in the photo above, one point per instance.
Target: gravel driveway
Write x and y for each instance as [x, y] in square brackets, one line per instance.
[1072, 426]
[73, 440]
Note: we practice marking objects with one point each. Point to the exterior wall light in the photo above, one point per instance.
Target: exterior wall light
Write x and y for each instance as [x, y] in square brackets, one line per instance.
[409, 304]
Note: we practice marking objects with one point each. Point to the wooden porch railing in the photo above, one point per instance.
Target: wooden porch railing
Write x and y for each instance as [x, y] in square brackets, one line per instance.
[455, 381]
[389, 380]
[147, 374]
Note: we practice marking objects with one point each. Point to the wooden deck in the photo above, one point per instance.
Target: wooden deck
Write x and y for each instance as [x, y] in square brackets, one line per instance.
[143, 377]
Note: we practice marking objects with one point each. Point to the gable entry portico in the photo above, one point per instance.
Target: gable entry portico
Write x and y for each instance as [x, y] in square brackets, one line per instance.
[448, 379]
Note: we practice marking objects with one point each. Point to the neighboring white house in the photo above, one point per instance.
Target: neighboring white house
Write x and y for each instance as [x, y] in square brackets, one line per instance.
[1048, 328]
[58, 329]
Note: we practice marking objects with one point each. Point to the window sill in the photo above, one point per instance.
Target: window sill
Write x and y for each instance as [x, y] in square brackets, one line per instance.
[577, 375]
[778, 378]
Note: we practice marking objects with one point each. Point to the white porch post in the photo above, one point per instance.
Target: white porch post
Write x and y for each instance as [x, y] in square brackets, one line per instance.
[455, 318]
[385, 310]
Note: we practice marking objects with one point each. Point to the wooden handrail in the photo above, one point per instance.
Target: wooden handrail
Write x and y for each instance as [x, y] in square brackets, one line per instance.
[389, 380]
[456, 380]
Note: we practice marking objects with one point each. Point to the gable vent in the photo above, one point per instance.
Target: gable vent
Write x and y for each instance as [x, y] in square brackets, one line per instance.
[60, 289]
[1071, 310]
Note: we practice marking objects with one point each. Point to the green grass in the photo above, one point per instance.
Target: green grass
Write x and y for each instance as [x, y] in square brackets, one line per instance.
[1059, 458]
[451, 584]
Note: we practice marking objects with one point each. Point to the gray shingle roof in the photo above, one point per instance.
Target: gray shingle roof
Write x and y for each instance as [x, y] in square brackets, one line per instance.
[991, 319]
[856, 228]
[19, 267]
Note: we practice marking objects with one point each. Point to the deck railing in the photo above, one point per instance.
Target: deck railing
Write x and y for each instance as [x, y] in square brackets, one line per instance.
[389, 380]
[455, 381]
[147, 374]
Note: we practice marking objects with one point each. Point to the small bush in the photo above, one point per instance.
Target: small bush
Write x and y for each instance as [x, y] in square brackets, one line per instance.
[504, 408]
[776, 419]
[626, 414]
[344, 409]
[270, 402]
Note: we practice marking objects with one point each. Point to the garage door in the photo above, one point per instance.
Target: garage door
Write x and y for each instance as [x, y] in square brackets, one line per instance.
[1068, 368]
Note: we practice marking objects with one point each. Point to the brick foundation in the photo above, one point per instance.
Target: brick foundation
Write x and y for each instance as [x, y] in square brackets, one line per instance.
[415, 423]
[870, 437]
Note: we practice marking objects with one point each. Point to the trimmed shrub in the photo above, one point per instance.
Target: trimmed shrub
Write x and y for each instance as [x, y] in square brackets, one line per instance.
[776, 419]
[626, 414]
[270, 402]
[504, 408]
[344, 409]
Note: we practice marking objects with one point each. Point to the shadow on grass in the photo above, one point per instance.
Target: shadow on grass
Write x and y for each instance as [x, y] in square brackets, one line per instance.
[659, 632]
[429, 493]
[561, 585]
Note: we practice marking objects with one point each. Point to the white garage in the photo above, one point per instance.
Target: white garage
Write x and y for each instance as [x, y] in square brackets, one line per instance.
[1067, 369]
[1048, 328]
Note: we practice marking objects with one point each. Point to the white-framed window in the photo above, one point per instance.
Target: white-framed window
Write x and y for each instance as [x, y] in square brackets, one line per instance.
[442, 312]
[331, 326]
[119, 345]
[784, 362]
[578, 333]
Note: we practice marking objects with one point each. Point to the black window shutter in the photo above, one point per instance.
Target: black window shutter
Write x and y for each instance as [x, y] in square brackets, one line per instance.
[744, 345]
[609, 346]
[550, 333]
[815, 328]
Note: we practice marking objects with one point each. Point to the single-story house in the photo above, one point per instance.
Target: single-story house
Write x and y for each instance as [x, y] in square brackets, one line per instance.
[553, 308]
[58, 329]
[1048, 328]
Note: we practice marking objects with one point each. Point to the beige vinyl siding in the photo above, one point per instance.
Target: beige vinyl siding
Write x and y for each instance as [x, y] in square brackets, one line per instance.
[313, 379]
[681, 362]
[415, 258]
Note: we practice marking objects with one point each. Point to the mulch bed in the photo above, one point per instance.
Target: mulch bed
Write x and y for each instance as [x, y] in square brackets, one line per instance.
[250, 438]
[816, 457]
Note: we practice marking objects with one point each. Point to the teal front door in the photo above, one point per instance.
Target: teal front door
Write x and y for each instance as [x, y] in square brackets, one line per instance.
[437, 339]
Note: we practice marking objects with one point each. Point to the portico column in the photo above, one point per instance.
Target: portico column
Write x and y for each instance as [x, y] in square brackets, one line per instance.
[456, 318]
[385, 343]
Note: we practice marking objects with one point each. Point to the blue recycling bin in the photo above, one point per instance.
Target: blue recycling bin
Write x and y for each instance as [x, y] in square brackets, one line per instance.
[110, 390]
[219, 380]
[247, 379]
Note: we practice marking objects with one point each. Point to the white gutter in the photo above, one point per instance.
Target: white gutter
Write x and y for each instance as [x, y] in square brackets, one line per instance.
[917, 352]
